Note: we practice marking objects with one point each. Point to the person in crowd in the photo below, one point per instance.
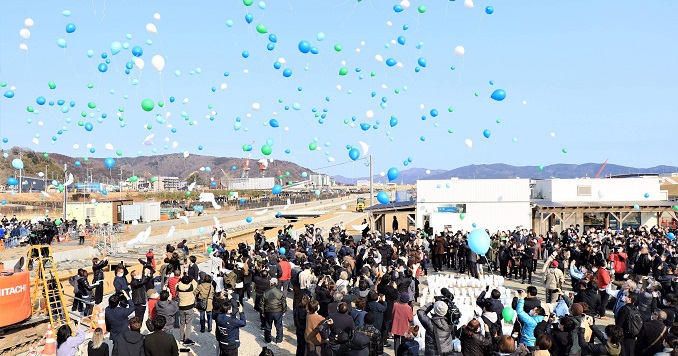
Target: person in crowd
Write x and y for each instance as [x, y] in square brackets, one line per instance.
[312, 334]
[273, 306]
[439, 332]
[376, 346]
[185, 293]
[85, 290]
[97, 346]
[610, 341]
[228, 329]
[300, 314]
[138, 286]
[631, 322]
[159, 343]
[529, 319]
[472, 342]
[98, 279]
[402, 317]
[66, 343]
[205, 292]
[116, 315]
[653, 331]
[553, 281]
[130, 342]
[167, 309]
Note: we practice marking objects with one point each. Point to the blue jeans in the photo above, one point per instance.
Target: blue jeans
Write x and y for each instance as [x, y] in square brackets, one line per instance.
[270, 318]
[202, 320]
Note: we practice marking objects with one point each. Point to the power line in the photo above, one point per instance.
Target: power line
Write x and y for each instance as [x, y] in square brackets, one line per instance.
[340, 164]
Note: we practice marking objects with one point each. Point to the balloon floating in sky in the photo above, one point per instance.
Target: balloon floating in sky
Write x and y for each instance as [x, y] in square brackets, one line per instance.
[354, 154]
[383, 197]
[392, 174]
[489, 10]
[147, 105]
[468, 143]
[498, 95]
[17, 163]
[479, 241]
[459, 51]
[487, 133]
[109, 162]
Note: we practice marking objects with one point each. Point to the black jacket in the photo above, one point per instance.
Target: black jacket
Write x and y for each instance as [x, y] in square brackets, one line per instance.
[84, 287]
[497, 307]
[475, 345]
[130, 343]
[591, 298]
[97, 271]
[649, 334]
[139, 290]
[193, 272]
[377, 309]
[160, 343]
[530, 303]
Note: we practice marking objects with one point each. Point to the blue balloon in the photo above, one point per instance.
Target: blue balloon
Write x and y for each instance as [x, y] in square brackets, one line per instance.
[171, 99]
[40, 100]
[287, 72]
[70, 28]
[392, 174]
[489, 10]
[434, 112]
[277, 65]
[273, 123]
[487, 133]
[304, 174]
[314, 50]
[213, 184]
[288, 151]
[273, 38]
[12, 181]
[109, 162]
[383, 197]
[282, 249]
[479, 241]
[498, 95]
[104, 192]
[242, 201]
[89, 126]
[245, 54]
[393, 122]
[103, 67]
[248, 219]
[671, 236]
[354, 154]
[17, 163]
[229, 23]
[9, 94]
[270, 46]
[249, 17]
[398, 8]
[401, 40]
[277, 189]
[647, 195]
[391, 62]
[422, 62]
[304, 47]
[365, 126]
[137, 51]
[116, 47]
[234, 168]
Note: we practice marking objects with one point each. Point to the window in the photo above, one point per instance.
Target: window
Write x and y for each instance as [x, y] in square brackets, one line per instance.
[452, 208]
[584, 190]
[90, 211]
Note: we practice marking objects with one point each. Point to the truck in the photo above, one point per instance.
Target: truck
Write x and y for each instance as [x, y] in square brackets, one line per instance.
[360, 205]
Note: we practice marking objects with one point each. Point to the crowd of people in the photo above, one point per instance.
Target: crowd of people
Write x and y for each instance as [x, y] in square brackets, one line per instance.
[360, 296]
[15, 232]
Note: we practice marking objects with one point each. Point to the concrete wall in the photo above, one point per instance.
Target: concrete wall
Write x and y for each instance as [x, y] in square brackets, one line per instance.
[605, 189]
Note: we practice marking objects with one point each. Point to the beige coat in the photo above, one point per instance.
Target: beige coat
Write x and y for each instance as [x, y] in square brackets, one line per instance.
[186, 296]
[553, 278]
[205, 290]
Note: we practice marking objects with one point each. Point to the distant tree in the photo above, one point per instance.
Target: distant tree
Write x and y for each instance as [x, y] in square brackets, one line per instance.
[195, 177]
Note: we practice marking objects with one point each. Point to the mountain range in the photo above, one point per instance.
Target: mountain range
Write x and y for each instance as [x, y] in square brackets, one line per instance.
[500, 170]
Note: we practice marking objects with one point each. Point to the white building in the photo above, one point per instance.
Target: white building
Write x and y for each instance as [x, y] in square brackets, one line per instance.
[494, 204]
[320, 180]
[501, 204]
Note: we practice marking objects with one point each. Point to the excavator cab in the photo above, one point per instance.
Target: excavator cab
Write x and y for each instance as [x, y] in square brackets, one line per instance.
[360, 205]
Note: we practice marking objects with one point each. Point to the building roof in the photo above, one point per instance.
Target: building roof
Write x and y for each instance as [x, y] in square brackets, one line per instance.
[401, 205]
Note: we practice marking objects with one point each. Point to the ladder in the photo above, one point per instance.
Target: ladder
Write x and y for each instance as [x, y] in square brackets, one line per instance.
[47, 285]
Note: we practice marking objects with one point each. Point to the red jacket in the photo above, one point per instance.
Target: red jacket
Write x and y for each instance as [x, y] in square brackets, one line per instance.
[402, 317]
[603, 278]
[172, 285]
[619, 260]
[286, 270]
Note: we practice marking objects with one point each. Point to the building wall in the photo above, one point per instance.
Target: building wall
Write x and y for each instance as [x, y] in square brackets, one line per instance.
[492, 216]
[605, 189]
[102, 212]
[473, 190]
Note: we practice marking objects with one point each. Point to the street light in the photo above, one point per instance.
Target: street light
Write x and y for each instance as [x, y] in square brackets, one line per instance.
[65, 190]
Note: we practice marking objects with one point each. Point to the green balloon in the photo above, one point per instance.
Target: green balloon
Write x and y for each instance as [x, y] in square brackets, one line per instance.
[133, 179]
[266, 150]
[675, 207]
[345, 121]
[462, 216]
[121, 109]
[86, 159]
[248, 2]
[421, 9]
[81, 123]
[541, 168]
[90, 86]
[83, 114]
[337, 47]
[29, 109]
[450, 131]
[230, 194]
[147, 105]
[149, 127]
[373, 74]
[476, 94]
[60, 187]
[508, 313]
[91, 105]
[397, 91]
[153, 179]
[280, 177]
[45, 155]
[57, 222]
[343, 71]
[209, 250]
[287, 174]
[564, 150]
[118, 153]
[3, 84]
[498, 121]
[161, 103]
[261, 29]
[450, 109]
[188, 194]
[312, 146]
[51, 84]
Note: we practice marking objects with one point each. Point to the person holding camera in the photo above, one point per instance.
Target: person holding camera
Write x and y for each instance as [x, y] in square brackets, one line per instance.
[439, 331]
[116, 315]
[529, 319]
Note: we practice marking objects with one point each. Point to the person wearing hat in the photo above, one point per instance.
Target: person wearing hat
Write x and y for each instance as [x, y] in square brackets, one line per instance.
[438, 337]
[153, 297]
[553, 280]
[402, 317]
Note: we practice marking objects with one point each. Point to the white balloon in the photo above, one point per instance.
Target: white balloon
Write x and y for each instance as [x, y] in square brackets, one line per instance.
[382, 174]
[185, 101]
[524, 102]
[40, 174]
[282, 60]
[389, 23]
[428, 171]
[601, 193]
[29, 22]
[202, 169]
[76, 146]
[365, 147]
[109, 146]
[158, 62]
[89, 145]
[421, 106]
[24, 33]
[170, 232]
[23, 47]
[139, 63]
[186, 154]
[399, 64]
[156, 16]
[369, 114]
[35, 140]
[45, 194]
[224, 86]
[468, 4]
[343, 207]
[552, 134]
[468, 143]
[287, 128]
[256, 106]
[150, 28]
[338, 87]
[405, 4]
[40, 123]
[175, 144]
[379, 58]
[459, 51]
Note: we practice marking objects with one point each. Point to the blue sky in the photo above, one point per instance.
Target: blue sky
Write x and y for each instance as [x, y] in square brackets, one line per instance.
[599, 75]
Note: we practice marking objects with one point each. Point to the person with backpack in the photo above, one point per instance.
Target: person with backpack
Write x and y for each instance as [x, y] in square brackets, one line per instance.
[409, 346]
[77, 301]
[402, 317]
[651, 334]
[490, 323]
[631, 322]
[438, 337]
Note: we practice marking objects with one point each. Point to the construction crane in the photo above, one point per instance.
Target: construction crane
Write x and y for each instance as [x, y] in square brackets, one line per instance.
[246, 165]
[600, 171]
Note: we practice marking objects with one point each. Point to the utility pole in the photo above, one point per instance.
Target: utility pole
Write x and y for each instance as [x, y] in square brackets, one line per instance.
[65, 190]
[371, 190]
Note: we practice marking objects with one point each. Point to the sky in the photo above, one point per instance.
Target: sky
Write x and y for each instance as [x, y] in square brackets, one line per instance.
[592, 79]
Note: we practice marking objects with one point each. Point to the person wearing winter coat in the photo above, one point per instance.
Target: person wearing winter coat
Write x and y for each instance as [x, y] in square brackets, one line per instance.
[205, 291]
[116, 316]
[377, 307]
[438, 338]
[131, 342]
[228, 329]
[402, 317]
[562, 337]
[553, 280]
[85, 290]
[529, 320]
[495, 295]
[409, 346]
[185, 289]
[619, 258]
[166, 308]
[138, 285]
[472, 343]
[610, 342]
[98, 279]
[651, 334]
